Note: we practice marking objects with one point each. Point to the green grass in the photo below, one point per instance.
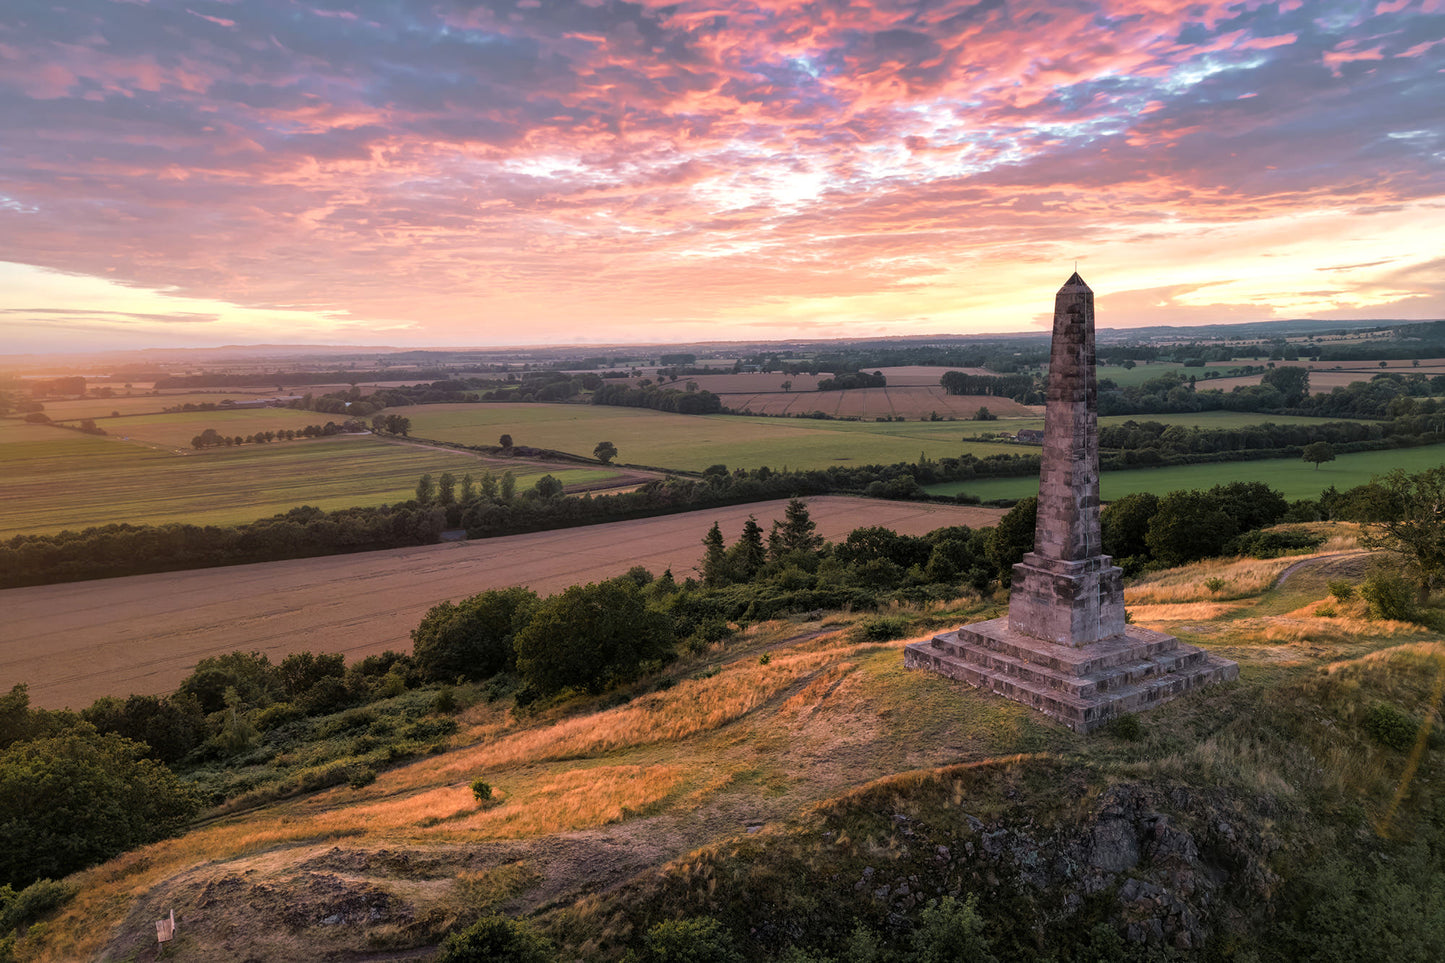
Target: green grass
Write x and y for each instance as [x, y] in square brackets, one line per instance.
[175, 430]
[52, 479]
[1145, 371]
[138, 404]
[1293, 477]
[693, 442]
[1191, 419]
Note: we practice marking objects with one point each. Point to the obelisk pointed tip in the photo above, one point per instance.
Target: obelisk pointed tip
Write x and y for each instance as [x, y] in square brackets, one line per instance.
[1075, 282]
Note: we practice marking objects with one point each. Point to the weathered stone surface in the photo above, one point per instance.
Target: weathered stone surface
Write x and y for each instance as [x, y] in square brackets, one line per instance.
[1065, 648]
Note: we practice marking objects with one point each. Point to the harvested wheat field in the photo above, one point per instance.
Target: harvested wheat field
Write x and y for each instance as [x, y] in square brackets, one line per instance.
[906, 401]
[76, 642]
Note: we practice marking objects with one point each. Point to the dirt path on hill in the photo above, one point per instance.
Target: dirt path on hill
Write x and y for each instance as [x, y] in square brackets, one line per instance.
[143, 634]
[1317, 560]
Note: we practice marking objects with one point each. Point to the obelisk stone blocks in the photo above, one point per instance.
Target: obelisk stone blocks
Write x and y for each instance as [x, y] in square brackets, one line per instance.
[1064, 648]
[1066, 590]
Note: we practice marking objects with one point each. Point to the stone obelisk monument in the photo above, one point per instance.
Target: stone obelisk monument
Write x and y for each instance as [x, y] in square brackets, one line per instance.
[1065, 648]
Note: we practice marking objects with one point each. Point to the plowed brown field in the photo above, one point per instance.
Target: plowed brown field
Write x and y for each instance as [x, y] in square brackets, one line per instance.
[143, 634]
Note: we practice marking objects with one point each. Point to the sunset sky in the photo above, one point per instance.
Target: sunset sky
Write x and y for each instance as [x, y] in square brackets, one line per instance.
[195, 172]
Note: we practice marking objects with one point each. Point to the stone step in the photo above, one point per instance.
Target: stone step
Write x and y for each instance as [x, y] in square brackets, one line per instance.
[1180, 659]
[1082, 714]
[1137, 645]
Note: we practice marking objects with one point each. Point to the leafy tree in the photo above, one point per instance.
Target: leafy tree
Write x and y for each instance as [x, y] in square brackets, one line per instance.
[72, 800]
[1320, 451]
[489, 484]
[473, 638]
[1291, 381]
[548, 487]
[446, 489]
[496, 939]
[509, 484]
[1125, 524]
[1013, 538]
[171, 727]
[1250, 504]
[425, 489]
[505, 441]
[605, 451]
[590, 636]
[983, 414]
[1411, 522]
[250, 674]
[469, 488]
[1189, 525]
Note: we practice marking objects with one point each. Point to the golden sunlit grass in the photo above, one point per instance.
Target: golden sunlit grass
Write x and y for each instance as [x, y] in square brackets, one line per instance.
[1212, 580]
[1182, 611]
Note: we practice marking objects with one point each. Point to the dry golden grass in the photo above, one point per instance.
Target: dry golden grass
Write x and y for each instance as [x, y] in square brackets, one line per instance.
[1182, 611]
[1241, 578]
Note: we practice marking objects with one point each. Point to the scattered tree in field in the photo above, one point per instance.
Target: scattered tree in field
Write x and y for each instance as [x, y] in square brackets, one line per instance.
[425, 490]
[605, 451]
[1320, 451]
[787, 386]
[983, 414]
[548, 487]
[505, 441]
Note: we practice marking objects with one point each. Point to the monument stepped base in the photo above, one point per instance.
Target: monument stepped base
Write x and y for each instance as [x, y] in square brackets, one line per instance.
[1084, 686]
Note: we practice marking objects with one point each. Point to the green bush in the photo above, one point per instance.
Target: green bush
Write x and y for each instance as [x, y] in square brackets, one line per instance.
[32, 902]
[949, 930]
[1342, 591]
[692, 940]
[496, 939]
[882, 628]
[482, 790]
[1390, 596]
[1391, 727]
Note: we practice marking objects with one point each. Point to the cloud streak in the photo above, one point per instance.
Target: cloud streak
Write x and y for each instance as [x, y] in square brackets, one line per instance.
[508, 171]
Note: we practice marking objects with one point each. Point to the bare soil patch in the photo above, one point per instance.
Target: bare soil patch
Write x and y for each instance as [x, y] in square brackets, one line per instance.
[143, 634]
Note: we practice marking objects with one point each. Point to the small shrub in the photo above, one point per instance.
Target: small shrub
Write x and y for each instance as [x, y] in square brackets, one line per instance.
[1215, 583]
[445, 701]
[496, 939]
[482, 790]
[882, 628]
[31, 903]
[765, 658]
[361, 776]
[1390, 596]
[1391, 727]
[1126, 727]
[1342, 591]
[694, 940]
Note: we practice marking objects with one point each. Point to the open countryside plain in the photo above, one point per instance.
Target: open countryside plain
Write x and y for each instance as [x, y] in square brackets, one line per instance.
[52, 479]
[75, 642]
[693, 442]
[1292, 477]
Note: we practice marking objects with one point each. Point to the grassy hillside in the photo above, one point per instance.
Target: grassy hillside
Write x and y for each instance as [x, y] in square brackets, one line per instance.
[796, 785]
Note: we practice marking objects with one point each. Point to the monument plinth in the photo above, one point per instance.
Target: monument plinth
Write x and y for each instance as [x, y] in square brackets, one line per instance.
[1065, 648]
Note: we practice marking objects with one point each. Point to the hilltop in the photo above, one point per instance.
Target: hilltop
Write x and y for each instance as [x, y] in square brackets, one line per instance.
[796, 785]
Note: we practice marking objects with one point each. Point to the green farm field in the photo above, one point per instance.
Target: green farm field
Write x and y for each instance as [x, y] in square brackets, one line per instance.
[1294, 478]
[693, 442]
[1192, 419]
[175, 430]
[52, 479]
[139, 404]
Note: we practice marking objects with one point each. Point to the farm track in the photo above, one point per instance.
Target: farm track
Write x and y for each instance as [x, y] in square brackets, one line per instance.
[75, 642]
